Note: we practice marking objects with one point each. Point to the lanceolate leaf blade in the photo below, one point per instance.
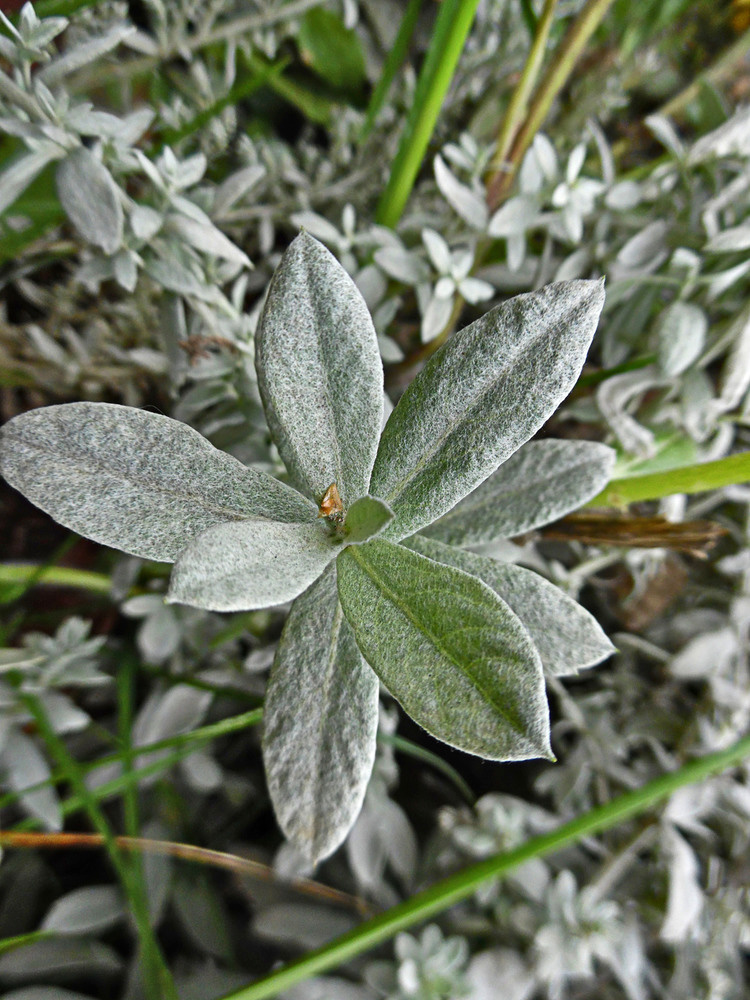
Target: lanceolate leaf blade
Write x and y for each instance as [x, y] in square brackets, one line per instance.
[320, 721]
[319, 373]
[246, 565]
[91, 199]
[543, 481]
[566, 636]
[479, 398]
[138, 481]
[448, 649]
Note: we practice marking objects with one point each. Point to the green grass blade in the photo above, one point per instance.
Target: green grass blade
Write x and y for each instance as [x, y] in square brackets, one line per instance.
[158, 982]
[181, 746]
[451, 28]
[393, 64]
[697, 478]
[262, 75]
[55, 576]
[449, 891]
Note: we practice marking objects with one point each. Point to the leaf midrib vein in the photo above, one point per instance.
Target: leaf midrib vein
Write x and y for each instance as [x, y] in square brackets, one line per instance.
[406, 612]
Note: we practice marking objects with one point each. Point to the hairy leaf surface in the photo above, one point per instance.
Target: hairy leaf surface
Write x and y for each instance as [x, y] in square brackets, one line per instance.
[448, 649]
[91, 199]
[480, 397]
[366, 517]
[567, 637]
[319, 373]
[138, 481]
[541, 482]
[245, 565]
[320, 722]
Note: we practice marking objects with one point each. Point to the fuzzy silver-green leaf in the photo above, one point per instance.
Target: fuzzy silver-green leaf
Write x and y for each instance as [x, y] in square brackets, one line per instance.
[320, 721]
[246, 565]
[366, 517]
[138, 481]
[541, 482]
[448, 649]
[567, 637]
[319, 373]
[479, 398]
[91, 199]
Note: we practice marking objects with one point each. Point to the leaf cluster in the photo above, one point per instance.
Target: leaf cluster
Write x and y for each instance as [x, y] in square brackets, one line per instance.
[461, 641]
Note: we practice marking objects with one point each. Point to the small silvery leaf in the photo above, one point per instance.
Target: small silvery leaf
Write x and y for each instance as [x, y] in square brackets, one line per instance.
[448, 649]
[19, 175]
[320, 721]
[731, 240]
[140, 482]
[366, 518]
[319, 372]
[465, 202]
[84, 54]
[516, 216]
[235, 187]
[402, 265]
[91, 199]
[667, 135]
[681, 336]
[84, 911]
[541, 482]
[479, 398]
[24, 767]
[730, 139]
[566, 636]
[245, 565]
[204, 236]
[145, 222]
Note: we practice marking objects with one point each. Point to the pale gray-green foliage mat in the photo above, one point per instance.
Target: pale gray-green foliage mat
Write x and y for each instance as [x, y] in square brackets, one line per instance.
[462, 651]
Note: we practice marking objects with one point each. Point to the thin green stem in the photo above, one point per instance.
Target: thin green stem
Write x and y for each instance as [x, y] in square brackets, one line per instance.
[696, 478]
[519, 102]
[181, 746]
[553, 82]
[157, 979]
[451, 28]
[392, 65]
[419, 753]
[449, 891]
[155, 974]
[240, 91]
[55, 576]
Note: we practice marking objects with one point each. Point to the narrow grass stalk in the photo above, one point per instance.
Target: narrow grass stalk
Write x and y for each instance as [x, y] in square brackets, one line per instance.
[451, 28]
[55, 576]
[261, 76]
[137, 846]
[154, 970]
[449, 891]
[405, 746]
[181, 746]
[392, 65]
[158, 982]
[696, 478]
[519, 102]
[558, 74]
